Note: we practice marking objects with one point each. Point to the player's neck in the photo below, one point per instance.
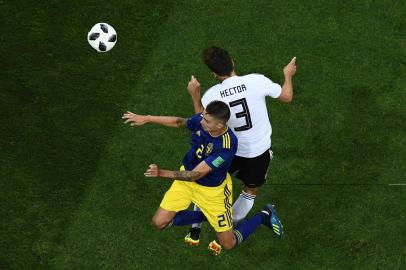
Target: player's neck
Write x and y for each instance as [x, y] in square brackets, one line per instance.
[219, 132]
[222, 78]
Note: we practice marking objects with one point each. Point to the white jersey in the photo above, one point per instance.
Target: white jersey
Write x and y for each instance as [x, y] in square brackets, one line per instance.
[245, 96]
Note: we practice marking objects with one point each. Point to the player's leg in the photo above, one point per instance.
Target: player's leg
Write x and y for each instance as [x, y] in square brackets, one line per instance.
[226, 239]
[267, 216]
[244, 203]
[253, 173]
[193, 237]
[233, 237]
[173, 205]
[165, 219]
[162, 218]
[216, 204]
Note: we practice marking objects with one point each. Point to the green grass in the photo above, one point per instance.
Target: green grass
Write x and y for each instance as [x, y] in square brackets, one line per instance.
[72, 190]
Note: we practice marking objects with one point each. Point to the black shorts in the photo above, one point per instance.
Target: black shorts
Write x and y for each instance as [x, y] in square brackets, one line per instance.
[252, 171]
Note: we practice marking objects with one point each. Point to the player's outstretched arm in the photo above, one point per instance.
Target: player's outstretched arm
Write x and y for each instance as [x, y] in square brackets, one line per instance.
[193, 88]
[200, 171]
[138, 120]
[287, 89]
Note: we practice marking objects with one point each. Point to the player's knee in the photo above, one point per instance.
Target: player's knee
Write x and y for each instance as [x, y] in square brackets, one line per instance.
[251, 190]
[228, 244]
[158, 223]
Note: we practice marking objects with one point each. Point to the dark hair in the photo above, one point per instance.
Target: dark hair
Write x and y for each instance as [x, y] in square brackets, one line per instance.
[218, 60]
[219, 110]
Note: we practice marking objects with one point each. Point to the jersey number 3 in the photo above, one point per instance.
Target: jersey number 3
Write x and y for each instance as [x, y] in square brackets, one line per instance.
[244, 113]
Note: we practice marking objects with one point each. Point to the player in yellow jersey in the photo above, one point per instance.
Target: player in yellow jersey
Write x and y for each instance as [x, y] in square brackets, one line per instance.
[203, 177]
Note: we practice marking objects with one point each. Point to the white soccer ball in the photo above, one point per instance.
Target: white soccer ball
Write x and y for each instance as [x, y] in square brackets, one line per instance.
[102, 37]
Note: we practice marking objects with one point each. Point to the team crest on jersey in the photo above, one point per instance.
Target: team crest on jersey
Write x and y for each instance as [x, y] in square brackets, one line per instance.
[209, 149]
[198, 133]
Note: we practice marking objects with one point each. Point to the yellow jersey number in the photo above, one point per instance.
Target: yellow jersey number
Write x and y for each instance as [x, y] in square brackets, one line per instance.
[199, 151]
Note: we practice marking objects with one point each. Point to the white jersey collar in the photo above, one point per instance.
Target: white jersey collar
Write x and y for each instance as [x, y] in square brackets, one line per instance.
[229, 79]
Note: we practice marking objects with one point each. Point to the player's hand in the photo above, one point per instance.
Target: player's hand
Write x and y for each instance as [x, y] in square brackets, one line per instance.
[290, 69]
[193, 86]
[152, 171]
[135, 119]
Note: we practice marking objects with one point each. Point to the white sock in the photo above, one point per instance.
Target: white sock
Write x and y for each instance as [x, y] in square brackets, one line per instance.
[242, 206]
[196, 225]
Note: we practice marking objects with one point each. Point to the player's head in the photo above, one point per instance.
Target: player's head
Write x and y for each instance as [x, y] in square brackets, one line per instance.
[215, 116]
[219, 61]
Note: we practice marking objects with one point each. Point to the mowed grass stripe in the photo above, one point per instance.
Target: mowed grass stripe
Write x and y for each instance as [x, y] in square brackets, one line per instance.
[61, 104]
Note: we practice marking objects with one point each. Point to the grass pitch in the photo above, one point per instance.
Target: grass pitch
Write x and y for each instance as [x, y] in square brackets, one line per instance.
[73, 195]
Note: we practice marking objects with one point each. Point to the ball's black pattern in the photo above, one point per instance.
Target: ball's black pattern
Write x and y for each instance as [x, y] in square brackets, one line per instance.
[104, 28]
[113, 38]
[94, 36]
[102, 46]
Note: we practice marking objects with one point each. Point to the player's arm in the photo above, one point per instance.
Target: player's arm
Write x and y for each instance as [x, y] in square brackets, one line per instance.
[287, 89]
[190, 176]
[169, 121]
[193, 88]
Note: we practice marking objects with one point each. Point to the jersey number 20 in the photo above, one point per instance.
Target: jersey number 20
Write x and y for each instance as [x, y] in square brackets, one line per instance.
[244, 113]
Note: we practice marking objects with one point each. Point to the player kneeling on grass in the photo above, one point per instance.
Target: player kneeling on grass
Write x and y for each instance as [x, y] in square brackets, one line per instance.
[203, 178]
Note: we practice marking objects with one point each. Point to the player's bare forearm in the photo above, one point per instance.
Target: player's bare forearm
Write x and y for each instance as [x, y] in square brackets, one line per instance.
[287, 90]
[193, 88]
[197, 104]
[138, 120]
[189, 176]
[198, 172]
[169, 121]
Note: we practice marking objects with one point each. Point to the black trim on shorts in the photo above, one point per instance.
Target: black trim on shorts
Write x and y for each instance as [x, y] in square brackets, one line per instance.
[227, 205]
[252, 171]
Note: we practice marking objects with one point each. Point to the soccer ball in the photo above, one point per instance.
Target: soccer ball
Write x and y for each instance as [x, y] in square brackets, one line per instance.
[102, 37]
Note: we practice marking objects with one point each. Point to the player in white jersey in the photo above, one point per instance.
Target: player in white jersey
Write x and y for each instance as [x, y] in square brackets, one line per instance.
[246, 97]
